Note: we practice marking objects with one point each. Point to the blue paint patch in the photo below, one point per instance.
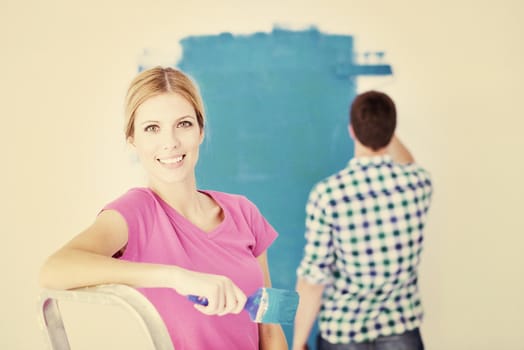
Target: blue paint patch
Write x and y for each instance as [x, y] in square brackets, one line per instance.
[277, 109]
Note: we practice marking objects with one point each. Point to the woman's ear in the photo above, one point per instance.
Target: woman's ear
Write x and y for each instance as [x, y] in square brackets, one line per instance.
[131, 149]
[202, 133]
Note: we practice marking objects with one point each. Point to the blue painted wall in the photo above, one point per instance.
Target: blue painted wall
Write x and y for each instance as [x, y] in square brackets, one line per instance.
[277, 109]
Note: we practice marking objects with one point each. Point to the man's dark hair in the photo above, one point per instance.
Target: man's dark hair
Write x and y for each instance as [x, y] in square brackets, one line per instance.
[373, 117]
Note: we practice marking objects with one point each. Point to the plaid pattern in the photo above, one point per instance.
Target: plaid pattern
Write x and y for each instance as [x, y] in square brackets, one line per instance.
[364, 237]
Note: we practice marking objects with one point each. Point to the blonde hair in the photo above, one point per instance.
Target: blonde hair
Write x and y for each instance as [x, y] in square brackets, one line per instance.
[156, 81]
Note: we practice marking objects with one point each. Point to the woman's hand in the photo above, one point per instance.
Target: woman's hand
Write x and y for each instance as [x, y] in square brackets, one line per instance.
[222, 294]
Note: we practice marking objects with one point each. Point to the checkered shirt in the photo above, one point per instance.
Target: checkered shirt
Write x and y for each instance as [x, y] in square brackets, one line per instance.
[364, 232]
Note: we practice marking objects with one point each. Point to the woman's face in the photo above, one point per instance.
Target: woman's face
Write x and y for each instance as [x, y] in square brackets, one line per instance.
[167, 138]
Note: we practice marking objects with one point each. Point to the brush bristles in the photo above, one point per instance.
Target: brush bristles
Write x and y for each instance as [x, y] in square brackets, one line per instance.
[262, 305]
[281, 306]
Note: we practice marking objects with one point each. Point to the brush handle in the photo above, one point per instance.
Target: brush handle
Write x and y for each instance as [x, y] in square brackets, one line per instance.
[198, 300]
[251, 305]
[204, 302]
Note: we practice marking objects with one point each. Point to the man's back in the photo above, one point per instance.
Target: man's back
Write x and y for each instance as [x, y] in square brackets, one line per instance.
[364, 231]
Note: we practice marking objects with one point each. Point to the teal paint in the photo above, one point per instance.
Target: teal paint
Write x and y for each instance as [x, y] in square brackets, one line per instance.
[277, 107]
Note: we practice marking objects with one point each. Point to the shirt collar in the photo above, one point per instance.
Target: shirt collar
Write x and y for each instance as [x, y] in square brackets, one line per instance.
[373, 160]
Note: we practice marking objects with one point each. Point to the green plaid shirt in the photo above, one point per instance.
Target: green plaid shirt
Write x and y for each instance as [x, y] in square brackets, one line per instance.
[364, 232]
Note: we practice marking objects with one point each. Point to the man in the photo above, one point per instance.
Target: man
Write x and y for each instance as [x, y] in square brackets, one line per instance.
[364, 233]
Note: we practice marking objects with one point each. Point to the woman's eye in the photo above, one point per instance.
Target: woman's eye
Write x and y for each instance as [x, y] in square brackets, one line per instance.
[151, 128]
[185, 124]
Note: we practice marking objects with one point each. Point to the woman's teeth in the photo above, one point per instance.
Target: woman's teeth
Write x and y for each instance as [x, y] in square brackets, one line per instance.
[171, 160]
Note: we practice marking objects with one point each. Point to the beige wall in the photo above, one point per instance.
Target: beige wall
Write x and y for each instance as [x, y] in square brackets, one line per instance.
[458, 86]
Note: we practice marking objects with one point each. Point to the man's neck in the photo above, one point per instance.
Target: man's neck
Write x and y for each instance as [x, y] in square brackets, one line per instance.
[362, 151]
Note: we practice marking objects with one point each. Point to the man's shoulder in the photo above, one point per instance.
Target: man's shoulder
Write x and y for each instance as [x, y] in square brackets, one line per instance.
[414, 169]
[330, 183]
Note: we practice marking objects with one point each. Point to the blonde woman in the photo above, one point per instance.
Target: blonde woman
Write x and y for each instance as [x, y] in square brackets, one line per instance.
[171, 239]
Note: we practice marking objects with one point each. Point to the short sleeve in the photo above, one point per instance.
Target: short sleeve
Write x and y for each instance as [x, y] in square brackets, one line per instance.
[264, 233]
[135, 208]
[422, 181]
[316, 264]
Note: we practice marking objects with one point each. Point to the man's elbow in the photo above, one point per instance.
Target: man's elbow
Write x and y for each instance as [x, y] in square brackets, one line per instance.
[305, 286]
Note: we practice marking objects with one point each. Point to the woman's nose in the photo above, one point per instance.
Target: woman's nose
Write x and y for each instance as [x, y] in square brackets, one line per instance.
[171, 141]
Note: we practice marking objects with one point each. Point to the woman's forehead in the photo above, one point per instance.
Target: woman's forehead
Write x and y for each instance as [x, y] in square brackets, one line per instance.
[164, 106]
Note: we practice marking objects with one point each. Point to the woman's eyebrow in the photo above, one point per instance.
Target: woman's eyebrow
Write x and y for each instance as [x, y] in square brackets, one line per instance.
[152, 121]
[149, 122]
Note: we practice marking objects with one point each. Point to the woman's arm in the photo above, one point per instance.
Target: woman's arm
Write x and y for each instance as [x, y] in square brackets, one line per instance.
[271, 335]
[87, 260]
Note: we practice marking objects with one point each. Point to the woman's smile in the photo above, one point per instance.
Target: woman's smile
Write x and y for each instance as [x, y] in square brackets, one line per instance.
[171, 162]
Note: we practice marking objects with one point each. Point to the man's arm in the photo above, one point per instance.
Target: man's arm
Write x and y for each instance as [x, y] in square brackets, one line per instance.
[308, 307]
[399, 152]
[314, 271]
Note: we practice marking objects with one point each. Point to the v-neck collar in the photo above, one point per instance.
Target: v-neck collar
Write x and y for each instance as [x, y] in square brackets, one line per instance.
[185, 223]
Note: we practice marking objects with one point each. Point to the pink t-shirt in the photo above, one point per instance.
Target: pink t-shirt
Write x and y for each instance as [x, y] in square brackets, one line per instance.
[159, 234]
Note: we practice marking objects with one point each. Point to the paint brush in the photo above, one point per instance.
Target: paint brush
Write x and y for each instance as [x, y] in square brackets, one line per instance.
[266, 305]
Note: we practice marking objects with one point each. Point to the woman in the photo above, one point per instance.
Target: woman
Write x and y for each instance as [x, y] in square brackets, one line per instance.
[170, 239]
